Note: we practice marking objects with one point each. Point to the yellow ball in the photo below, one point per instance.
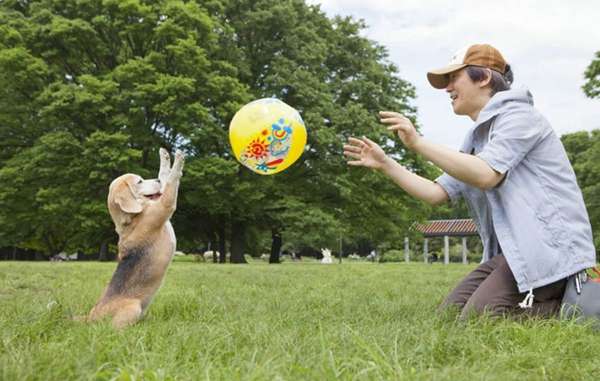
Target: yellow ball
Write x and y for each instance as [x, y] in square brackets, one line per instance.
[267, 136]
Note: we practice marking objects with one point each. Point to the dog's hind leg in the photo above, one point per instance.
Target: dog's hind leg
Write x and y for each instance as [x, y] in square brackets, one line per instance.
[128, 313]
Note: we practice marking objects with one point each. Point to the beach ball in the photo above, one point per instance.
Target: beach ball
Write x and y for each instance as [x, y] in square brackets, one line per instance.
[267, 136]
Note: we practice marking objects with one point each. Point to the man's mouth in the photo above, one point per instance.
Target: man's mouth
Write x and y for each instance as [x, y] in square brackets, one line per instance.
[154, 196]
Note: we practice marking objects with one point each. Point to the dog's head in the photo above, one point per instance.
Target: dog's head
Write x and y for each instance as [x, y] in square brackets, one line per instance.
[128, 195]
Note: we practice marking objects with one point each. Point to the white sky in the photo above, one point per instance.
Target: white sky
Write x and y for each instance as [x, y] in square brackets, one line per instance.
[549, 44]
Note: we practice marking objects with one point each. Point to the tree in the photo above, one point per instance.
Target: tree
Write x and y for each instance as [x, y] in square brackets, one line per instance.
[592, 74]
[150, 71]
[583, 149]
[103, 158]
[55, 198]
[115, 80]
[338, 80]
[38, 204]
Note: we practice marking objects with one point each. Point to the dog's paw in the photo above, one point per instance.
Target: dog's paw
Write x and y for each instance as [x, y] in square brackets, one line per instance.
[179, 160]
[179, 157]
[164, 154]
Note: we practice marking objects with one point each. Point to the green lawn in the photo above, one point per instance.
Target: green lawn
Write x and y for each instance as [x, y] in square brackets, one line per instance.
[294, 321]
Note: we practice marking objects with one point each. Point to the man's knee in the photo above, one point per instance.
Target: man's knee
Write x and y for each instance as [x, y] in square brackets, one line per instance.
[450, 306]
[479, 306]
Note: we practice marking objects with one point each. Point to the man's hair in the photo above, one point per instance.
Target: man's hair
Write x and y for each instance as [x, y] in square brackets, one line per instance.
[498, 82]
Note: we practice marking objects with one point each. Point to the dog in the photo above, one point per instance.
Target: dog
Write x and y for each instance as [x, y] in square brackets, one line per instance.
[140, 210]
[326, 256]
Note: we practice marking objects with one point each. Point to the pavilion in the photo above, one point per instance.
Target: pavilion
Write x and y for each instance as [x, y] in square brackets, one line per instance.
[444, 228]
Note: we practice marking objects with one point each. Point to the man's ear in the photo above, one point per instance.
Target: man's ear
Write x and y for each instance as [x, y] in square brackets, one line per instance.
[488, 78]
[127, 201]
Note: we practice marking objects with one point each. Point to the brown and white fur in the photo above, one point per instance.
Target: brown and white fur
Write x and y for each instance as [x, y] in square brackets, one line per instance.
[140, 210]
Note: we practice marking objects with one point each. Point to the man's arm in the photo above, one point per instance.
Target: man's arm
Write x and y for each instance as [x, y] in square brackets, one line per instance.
[415, 185]
[467, 168]
[366, 153]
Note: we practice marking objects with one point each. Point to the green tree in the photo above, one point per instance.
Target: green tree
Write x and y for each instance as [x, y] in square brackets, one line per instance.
[36, 201]
[54, 193]
[117, 79]
[338, 80]
[147, 74]
[104, 157]
[583, 149]
[592, 74]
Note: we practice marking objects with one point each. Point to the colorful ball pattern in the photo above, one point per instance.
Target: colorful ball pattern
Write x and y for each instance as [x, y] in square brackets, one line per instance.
[267, 136]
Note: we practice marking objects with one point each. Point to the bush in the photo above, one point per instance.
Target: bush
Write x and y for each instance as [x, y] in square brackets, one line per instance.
[392, 256]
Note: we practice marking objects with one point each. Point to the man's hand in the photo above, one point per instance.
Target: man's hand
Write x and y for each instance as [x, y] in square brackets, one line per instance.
[365, 152]
[401, 125]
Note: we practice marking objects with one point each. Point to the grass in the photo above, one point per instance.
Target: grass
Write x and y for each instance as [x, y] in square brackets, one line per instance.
[294, 321]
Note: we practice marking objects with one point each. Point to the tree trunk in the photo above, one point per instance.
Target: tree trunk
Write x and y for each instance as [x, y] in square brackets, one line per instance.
[222, 250]
[213, 248]
[275, 246]
[238, 230]
[144, 157]
[103, 255]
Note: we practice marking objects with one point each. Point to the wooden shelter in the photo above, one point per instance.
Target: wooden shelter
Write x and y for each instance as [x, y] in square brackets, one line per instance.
[444, 228]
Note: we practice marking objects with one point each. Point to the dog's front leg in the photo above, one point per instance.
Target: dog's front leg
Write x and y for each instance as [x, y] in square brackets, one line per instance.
[165, 168]
[169, 197]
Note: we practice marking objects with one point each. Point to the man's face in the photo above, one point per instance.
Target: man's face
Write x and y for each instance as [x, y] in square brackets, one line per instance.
[464, 93]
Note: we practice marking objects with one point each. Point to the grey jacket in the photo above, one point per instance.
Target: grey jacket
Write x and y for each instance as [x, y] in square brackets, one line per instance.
[536, 216]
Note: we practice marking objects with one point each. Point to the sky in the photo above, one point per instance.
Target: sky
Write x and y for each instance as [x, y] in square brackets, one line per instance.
[548, 44]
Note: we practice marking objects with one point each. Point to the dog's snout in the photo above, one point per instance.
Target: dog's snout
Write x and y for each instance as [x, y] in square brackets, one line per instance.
[158, 181]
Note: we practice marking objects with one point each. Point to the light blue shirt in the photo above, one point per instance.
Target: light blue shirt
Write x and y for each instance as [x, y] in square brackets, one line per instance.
[536, 215]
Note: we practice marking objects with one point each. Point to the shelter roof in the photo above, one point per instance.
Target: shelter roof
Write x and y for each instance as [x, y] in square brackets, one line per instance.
[452, 228]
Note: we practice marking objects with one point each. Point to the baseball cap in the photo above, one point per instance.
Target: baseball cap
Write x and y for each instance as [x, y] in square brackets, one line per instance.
[483, 55]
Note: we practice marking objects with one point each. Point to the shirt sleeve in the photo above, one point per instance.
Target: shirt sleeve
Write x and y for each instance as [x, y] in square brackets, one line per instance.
[452, 186]
[512, 135]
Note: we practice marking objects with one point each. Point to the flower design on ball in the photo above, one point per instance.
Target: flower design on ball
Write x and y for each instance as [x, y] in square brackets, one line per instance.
[257, 149]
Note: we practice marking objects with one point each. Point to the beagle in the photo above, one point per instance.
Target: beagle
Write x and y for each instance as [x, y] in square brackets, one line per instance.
[140, 210]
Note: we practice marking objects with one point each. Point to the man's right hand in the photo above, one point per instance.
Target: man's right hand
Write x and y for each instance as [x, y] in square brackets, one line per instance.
[365, 153]
[401, 125]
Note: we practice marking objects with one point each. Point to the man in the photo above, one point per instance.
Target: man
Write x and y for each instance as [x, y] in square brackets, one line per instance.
[516, 179]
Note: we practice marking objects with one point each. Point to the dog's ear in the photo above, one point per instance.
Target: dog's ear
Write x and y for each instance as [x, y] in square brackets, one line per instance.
[127, 201]
[122, 196]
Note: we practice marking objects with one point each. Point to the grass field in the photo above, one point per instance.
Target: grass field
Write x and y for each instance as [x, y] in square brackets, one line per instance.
[294, 321]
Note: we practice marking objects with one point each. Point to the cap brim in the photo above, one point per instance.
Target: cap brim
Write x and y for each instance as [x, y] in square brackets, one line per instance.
[438, 78]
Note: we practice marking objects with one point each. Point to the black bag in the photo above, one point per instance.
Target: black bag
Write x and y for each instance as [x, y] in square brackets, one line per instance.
[582, 298]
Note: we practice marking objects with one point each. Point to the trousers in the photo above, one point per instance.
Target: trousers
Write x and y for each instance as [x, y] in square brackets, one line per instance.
[492, 289]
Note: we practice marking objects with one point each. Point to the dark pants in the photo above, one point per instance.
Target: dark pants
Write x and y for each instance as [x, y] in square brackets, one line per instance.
[491, 288]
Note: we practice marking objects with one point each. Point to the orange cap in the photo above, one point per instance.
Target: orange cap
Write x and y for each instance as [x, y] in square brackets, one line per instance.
[483, 55]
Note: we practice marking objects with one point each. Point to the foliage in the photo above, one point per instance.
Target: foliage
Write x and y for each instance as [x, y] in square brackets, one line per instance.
[55, 200]
[592, 74]
[392, 256]
[102, 85]
[583, 149]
